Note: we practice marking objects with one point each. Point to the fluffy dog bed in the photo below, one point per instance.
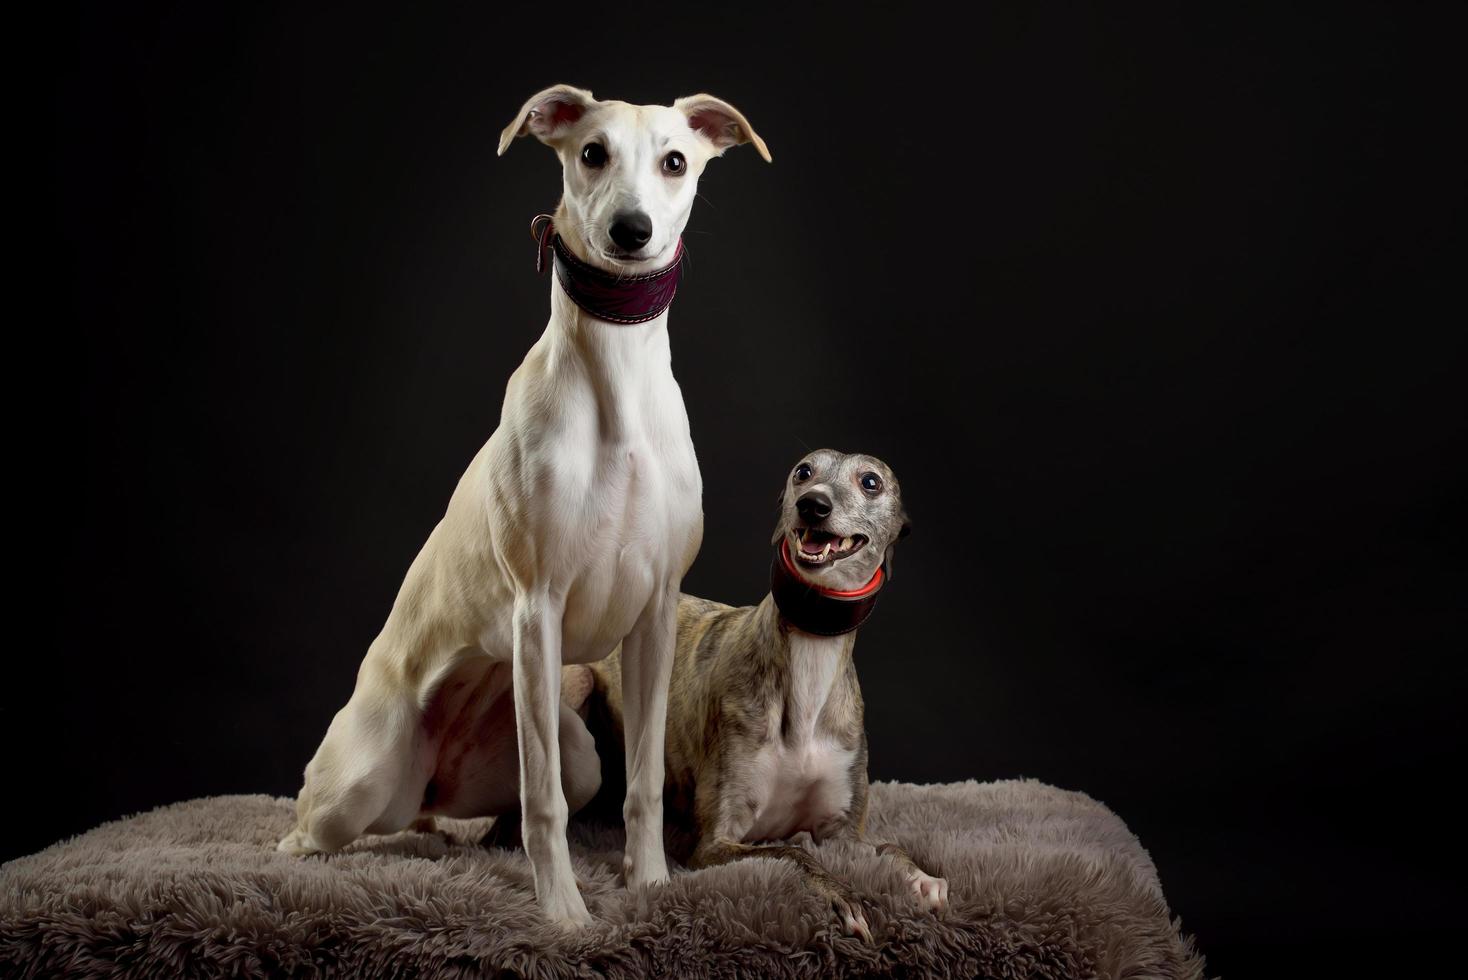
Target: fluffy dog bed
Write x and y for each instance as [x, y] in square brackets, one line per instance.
[1044, 883]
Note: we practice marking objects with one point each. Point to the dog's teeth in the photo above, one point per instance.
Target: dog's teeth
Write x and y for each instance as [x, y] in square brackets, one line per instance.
[845, 544]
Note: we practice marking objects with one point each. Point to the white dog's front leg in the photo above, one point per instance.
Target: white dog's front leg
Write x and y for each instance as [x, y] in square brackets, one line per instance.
[647, 665]
[537, 678]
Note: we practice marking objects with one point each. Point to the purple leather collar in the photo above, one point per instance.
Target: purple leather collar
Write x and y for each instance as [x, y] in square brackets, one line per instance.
[605, 295]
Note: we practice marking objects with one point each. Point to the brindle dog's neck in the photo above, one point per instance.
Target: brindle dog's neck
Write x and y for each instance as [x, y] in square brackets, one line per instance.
[816, 673]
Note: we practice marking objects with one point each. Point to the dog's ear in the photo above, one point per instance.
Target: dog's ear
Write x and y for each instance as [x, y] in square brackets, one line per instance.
[720, 123]
[903, 532]
[547, 114]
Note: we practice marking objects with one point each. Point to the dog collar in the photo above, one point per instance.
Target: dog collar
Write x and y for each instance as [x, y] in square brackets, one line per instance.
[812, 609]
[605, 295]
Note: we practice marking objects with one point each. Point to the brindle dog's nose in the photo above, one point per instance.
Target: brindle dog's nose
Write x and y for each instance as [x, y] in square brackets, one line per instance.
[631, 230]
[813, 506]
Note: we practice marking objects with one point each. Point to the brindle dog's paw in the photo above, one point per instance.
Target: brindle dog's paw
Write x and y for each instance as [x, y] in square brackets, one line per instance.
[930, 892]
[848, 910]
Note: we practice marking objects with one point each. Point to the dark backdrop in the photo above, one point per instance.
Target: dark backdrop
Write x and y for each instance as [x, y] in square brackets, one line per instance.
[1137, 304]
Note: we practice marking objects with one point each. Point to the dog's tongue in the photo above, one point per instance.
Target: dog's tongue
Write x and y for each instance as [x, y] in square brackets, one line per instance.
[813, 547]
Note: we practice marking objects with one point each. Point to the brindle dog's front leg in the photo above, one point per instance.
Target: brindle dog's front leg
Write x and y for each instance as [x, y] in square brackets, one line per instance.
[721, 850]
[930, 892]
[724, 818]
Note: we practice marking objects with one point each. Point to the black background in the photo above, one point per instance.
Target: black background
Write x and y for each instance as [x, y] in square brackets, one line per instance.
[1140, 305]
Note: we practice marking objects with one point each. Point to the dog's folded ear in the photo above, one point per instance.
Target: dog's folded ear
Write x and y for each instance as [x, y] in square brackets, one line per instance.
[892, 546]
[547, 114]
[720, 123]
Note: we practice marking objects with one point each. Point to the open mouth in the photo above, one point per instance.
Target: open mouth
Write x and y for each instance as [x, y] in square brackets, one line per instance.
[817, 547]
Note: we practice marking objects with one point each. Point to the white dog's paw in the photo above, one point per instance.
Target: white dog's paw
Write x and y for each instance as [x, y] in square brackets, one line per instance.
[646, 874]
[568, 912]
[930, 892]
[297, 844]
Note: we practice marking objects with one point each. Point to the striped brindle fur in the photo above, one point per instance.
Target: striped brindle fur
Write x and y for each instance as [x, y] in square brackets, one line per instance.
[765, 734]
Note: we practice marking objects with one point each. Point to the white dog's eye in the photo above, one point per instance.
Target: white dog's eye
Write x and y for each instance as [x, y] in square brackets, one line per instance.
[871, 483]
[802, 472]
[674, 164]
[594, 155]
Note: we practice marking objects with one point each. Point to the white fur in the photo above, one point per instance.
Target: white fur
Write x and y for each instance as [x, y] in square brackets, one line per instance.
[802, 781]
[568, 534]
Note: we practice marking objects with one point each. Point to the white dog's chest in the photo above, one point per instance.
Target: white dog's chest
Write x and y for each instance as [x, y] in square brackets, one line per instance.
[639, 527]
[591, 484]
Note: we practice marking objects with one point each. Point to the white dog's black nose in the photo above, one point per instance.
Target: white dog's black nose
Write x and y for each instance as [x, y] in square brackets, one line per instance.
[813, 506]
[631, 230]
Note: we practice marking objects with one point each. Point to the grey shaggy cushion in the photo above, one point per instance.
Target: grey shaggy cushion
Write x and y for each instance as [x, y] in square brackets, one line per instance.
[1044, 883]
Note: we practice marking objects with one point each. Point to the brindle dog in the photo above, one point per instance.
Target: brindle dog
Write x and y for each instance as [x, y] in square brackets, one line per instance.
[765, 736]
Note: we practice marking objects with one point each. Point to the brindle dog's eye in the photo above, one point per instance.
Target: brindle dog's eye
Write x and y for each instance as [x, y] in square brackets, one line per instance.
[594, 155]
[802, 473]
[674, 164]
[871, 483]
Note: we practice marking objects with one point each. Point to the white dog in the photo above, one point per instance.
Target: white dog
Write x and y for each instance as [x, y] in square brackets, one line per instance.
[568, 535]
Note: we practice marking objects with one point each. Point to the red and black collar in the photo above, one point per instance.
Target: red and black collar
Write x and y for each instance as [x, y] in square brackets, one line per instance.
[605, 295]
[812, 609]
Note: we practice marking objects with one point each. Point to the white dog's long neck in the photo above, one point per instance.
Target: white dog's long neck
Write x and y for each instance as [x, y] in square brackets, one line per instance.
[625, 365]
